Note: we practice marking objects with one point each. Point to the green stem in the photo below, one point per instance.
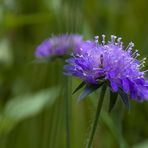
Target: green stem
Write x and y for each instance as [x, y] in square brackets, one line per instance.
[94, 125]
[67, 112]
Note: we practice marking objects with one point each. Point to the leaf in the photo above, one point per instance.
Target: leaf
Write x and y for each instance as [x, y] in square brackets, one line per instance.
[88, 90]
[142, 144]
[79, 87]
[26, 106]
[5, 52]
[113, 99]
[124, 98]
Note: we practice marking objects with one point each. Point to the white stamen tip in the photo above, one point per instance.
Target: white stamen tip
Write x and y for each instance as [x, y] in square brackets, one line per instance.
[113, 38]
[103, 39]
[119, 39]
[145, 71]
[131, 44]
[96, 39]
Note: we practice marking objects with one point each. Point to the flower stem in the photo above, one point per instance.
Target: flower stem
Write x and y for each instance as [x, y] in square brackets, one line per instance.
[67, 111]
[94, 125]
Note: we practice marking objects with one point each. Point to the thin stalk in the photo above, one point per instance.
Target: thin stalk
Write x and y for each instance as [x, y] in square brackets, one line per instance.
[94, 125]
[67, 110]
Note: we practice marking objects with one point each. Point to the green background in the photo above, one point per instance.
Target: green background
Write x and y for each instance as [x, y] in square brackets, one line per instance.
[32, 95]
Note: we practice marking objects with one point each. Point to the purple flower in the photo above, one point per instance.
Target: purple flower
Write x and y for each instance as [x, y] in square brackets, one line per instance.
[112, 63]
[58, 45]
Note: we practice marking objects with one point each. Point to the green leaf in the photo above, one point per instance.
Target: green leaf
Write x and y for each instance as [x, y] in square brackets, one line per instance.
[79, 87]
[113, 99]
[25, 106]
[124, 98]
[88, 90]
[142, 144]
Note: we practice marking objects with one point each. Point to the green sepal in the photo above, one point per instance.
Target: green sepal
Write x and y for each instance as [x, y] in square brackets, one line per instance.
[113, 100]
[79, 87]
[88, 90]
[124, 98]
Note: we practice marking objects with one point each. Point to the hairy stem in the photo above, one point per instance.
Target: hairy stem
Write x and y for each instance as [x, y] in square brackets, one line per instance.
[67, 111]
[94, 125]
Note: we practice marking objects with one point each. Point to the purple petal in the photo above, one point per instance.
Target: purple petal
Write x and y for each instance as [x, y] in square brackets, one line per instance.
[114, 86]
[125, 85]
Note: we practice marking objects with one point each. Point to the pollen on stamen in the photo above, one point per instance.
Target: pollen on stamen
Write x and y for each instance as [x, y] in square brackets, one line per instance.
[121, 45]
[113, 38]
[130, 47]
[143, 60]
[131, 44]
[145, 71]
[119, 40]
[135, 53]
[142, 63]
[96, 39]
[129, 50]
[103, 39]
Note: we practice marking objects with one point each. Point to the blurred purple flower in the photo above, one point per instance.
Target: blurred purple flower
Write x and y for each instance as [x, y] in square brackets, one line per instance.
[58, 45]
[112, 63]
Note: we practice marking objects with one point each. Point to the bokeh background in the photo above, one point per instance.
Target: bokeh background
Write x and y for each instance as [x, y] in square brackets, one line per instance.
[32, 95]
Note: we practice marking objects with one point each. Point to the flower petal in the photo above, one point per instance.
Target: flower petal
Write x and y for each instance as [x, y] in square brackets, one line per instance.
[114, 86]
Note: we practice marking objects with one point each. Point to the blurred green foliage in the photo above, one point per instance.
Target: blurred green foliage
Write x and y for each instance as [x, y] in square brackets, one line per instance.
[31, 107]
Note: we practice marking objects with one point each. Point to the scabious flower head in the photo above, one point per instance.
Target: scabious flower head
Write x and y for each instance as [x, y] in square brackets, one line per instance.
[58, 45]
[112, 63]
